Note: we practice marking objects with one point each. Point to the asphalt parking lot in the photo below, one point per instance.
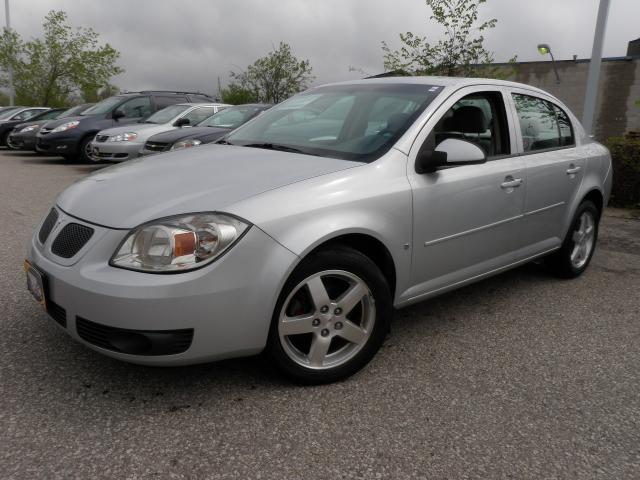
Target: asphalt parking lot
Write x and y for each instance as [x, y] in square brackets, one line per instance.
[519, 376]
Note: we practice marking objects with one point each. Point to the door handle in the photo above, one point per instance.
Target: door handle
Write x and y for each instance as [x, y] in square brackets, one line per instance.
[510, 182]
[572, 170]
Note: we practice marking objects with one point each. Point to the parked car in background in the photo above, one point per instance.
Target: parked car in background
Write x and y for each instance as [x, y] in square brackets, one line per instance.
[302, 230]
[123, 143]
[207, 131]
[11, 118]
[71, 137]
[23, 136]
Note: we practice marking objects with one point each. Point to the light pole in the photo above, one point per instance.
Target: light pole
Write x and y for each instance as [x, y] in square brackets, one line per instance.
[545, 49]
[10, 70]
[591, 95]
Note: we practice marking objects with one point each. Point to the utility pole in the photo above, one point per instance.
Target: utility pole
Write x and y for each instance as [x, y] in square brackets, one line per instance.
[10, 72]
[594, 68]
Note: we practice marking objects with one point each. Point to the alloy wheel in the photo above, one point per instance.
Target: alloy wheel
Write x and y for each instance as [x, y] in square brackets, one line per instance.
[326, 319]
[583, 240]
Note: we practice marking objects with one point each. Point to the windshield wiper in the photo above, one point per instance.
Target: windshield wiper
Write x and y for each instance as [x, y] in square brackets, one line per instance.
[275, 146]
[222, 141]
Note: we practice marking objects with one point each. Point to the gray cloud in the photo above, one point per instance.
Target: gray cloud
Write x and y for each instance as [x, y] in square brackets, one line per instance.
[189, 44]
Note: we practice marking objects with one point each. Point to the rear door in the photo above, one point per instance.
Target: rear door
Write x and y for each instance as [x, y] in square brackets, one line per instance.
[466, 218]
[555, 168]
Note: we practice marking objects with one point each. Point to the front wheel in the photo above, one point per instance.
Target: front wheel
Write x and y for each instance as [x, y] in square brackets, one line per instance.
[577, 249]
[331, 318]
[85, 155]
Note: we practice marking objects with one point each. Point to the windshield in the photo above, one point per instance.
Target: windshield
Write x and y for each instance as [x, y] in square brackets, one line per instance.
[104, 106]
[352, 122]
[73, 111]
[231, 117]
[166, 114]
[49, 115]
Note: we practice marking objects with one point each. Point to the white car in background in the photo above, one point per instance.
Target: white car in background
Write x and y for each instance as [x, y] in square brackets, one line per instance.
[123, 143]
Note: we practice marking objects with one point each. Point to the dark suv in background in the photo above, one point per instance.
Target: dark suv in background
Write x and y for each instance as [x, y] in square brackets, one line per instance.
[71, 137]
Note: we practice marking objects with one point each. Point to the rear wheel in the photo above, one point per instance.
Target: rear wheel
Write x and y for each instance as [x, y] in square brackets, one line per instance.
[577, 249]
[331, 318]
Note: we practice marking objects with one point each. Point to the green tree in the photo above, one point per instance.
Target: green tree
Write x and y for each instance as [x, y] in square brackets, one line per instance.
[275, 77]
[460, 53]
[235, 94]
[65, 60]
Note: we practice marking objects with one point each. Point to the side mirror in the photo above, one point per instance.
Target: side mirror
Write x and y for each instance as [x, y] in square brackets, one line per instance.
[181, 122]
[450, 152]
[117, 114]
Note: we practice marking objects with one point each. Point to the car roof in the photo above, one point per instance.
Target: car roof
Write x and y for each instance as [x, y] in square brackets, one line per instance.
[257, 105]
[202, 104]
[456, 82]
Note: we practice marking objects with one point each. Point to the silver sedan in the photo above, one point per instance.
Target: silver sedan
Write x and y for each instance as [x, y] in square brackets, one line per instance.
[301, 232]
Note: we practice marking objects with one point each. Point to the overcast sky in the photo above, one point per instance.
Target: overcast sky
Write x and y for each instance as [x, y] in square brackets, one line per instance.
[188, 44]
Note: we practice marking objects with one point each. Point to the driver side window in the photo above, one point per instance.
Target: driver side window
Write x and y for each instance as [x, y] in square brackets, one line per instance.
[479, 118]
[136, 107]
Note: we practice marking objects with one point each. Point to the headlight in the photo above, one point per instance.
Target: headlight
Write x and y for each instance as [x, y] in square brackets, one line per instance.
[177, 244]
[30, 128]
[186, 144]
[123, 137]
[65, 126]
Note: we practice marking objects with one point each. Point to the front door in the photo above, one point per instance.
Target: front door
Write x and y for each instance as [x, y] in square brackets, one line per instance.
[466, 218]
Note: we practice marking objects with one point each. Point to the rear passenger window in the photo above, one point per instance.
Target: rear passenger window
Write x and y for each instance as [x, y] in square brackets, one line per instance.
[566, 131]
[543, 125]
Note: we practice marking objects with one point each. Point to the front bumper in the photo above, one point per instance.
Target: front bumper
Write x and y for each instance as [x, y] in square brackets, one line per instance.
[228, 304]
[22, 141]
[115, 151]
[57, 143]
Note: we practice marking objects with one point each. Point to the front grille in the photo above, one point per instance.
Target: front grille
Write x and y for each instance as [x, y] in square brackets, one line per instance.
[71, 239]
[101, 138]
[135, 342]
[48, 225]
[157, 146]
[56, 312]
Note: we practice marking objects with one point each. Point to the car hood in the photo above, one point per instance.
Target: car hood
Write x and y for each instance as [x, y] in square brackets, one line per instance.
[136, 127]
[59, 121]
[184, 133]
[28, 124]
[207, 178]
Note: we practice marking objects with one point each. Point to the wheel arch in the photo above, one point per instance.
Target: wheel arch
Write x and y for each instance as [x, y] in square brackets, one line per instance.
[369, 246]
[364, 242]
[595, 195]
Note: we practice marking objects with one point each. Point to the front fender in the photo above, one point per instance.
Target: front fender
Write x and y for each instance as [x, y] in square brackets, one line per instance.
[374, 199]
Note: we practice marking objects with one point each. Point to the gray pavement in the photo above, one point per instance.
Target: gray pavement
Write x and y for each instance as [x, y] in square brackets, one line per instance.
[519, 376]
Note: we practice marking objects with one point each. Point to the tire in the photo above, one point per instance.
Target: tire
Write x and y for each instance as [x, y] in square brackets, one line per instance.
[325, 344]
[7, 142]
[83, 150]
[574, 256]
[4, 140]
